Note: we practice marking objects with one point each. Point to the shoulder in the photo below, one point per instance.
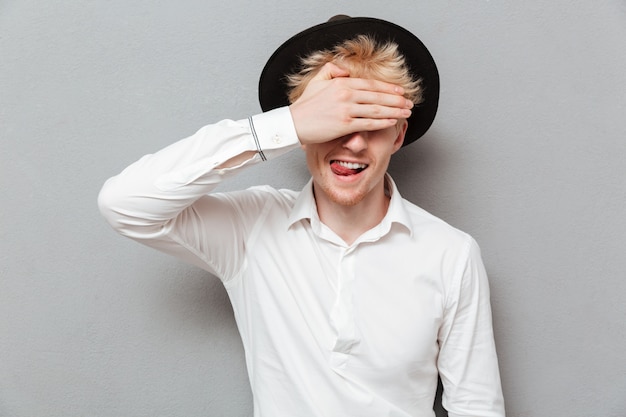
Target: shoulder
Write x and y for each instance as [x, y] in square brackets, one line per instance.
[453, 252]
[441, 235]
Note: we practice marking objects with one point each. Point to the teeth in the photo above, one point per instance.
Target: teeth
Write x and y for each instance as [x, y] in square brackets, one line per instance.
[351, 165]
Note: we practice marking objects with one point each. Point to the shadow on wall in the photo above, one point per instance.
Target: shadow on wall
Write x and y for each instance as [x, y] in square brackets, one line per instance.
[417, 167]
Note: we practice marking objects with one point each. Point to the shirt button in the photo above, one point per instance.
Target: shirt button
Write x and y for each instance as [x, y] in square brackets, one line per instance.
[276, 139]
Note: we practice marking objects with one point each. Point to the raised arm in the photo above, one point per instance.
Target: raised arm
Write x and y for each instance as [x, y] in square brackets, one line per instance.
[160, 200]
[155, 189]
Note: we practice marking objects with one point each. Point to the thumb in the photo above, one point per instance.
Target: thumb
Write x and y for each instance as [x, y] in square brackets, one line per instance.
[330, 71]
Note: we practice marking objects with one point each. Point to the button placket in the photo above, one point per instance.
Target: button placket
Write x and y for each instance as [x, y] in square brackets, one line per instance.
[343, 310]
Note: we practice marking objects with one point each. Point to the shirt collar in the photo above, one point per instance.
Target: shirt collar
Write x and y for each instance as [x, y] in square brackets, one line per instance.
[305, 209]
[397, 211]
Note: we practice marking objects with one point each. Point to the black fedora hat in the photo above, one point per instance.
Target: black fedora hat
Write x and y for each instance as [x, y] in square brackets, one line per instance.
[286, 60]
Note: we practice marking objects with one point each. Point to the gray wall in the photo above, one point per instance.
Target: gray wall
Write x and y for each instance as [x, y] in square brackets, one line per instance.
[528, 154]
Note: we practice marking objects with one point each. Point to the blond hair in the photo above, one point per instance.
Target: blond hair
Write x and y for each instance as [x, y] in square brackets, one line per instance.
[362, 57]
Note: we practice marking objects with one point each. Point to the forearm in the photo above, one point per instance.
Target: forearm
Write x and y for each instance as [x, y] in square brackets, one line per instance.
[150, 192]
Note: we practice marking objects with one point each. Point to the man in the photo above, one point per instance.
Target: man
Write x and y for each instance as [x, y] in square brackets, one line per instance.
[350, 301]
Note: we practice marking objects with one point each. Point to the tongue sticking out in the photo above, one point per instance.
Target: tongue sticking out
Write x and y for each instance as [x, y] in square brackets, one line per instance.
[342, 170]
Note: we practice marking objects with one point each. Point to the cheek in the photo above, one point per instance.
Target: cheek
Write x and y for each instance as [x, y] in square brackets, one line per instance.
[312, 159]
[384, 149]
[315, 153]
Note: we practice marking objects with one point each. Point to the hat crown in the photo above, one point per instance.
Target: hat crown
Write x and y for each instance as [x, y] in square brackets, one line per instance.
[339, 17]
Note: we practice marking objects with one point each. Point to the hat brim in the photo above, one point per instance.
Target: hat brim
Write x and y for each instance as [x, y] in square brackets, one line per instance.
[287, 59]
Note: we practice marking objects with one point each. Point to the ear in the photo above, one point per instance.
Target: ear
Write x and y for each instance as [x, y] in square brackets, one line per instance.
[401, 128]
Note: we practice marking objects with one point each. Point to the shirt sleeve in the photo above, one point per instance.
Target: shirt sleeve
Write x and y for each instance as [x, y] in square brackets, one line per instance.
[467, 362]
[162, 199]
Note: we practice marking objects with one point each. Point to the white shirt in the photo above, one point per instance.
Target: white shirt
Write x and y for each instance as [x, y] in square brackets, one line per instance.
[329, 329]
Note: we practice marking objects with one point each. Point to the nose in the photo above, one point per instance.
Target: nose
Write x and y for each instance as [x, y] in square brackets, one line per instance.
[355, 142]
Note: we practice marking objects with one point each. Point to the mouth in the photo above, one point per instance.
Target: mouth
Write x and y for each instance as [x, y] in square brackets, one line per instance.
[344, 168]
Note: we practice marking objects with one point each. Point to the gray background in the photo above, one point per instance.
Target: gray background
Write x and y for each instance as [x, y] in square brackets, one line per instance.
[527, 154]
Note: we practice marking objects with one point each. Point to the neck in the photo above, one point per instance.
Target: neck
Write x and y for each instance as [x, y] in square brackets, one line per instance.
[350, 222]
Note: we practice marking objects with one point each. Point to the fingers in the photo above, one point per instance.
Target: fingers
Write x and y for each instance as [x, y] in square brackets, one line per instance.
[375, 93]
[330, 71]
[374, 111]
[376, 86]
[369, 124]
[381, 100]
[367, 104]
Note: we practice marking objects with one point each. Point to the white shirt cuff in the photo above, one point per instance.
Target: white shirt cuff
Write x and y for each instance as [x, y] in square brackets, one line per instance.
[274, 129]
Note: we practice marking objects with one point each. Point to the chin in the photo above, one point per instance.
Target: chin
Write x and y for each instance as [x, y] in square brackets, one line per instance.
[343, 198]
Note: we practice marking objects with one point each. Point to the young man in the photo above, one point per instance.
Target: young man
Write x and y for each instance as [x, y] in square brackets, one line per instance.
[350, 301]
